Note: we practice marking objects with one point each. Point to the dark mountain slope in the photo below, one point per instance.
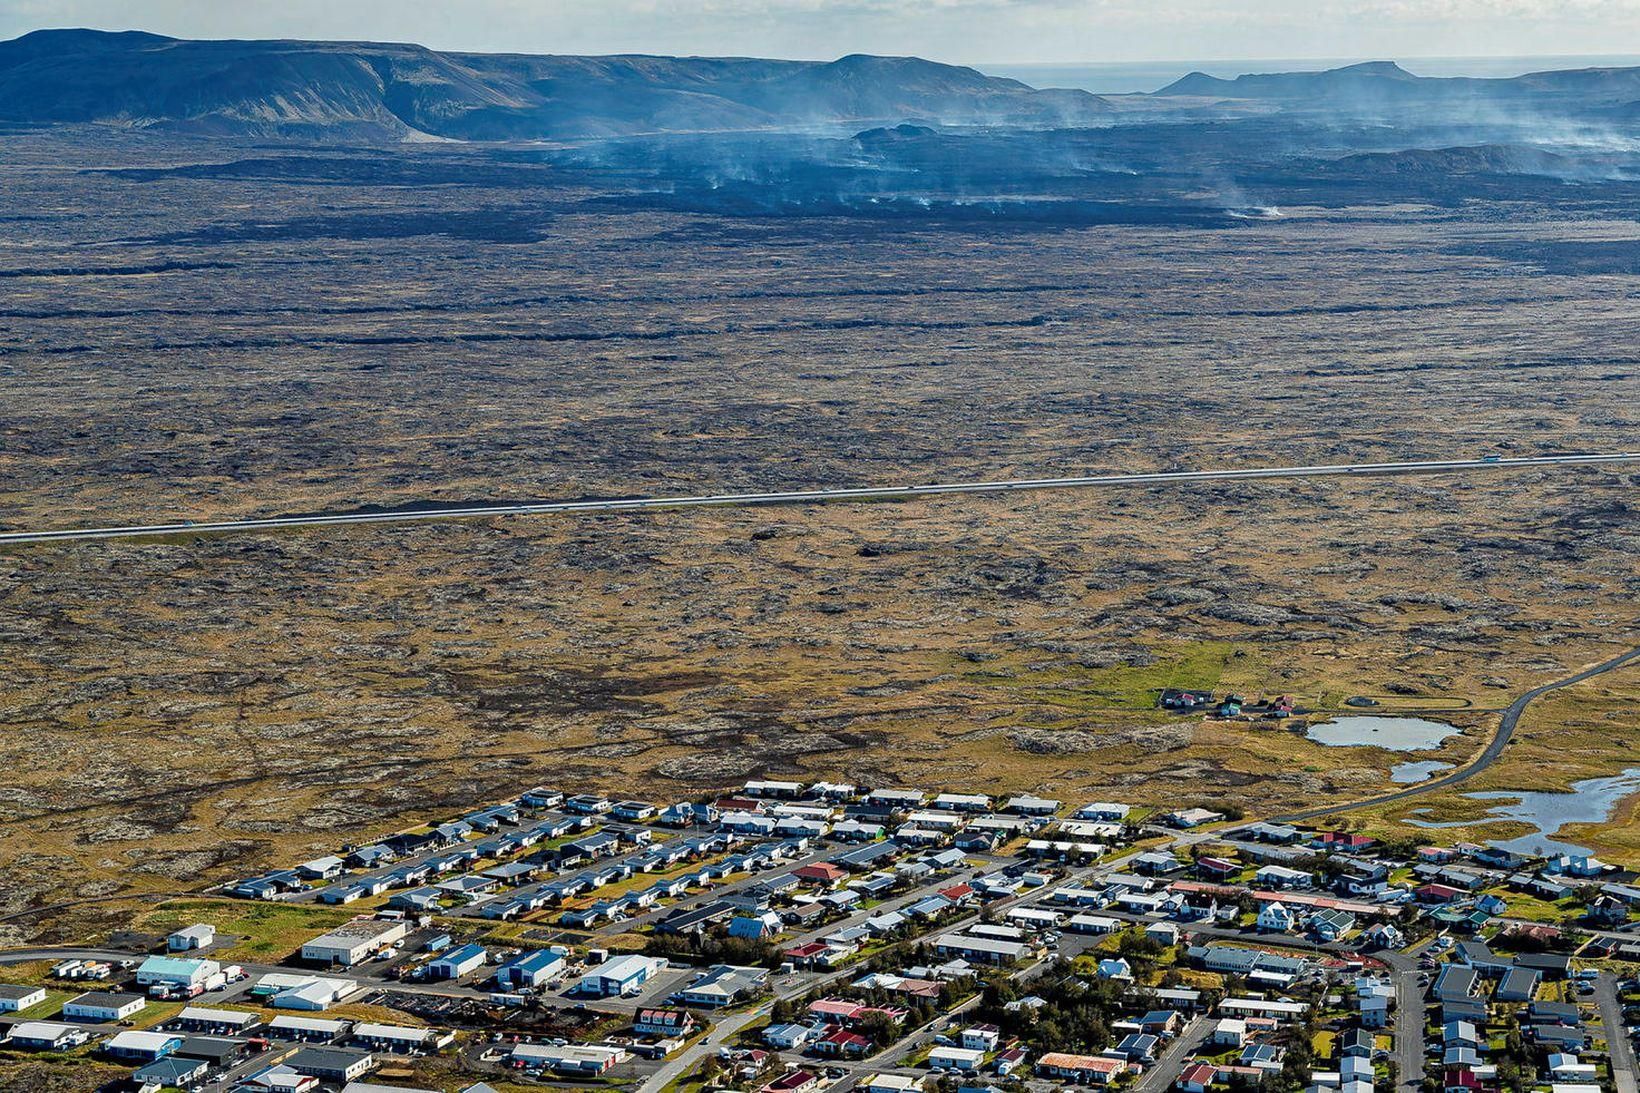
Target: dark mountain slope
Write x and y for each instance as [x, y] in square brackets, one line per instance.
[390, 90]
[1385, 83]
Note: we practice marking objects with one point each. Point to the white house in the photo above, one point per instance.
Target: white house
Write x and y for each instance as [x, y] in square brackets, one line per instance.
[1275, 918]
[13, 998]
[955, 1058]
[103, 1006]
[790, 1037]
[981, 1037]
[1165, 932]
[141, 1047]
[45, 1036]
[198, 936]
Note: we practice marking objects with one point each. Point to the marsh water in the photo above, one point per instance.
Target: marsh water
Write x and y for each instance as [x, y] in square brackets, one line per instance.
[1391, 733]
[1406, 774]
[1590, 802]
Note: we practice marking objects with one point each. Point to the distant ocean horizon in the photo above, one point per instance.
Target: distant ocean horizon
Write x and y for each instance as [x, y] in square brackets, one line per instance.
[1130, 77]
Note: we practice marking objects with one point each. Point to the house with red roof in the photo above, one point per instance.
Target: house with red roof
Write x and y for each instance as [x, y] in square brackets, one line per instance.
[1082, 1069]
[797, 1081]
[1008, 1061]
[804, 956]
[1437, 893]
[823, 873]
[836, 1011]
[1197, 1078]
[1341, 840]
[1460, 1079]
[841, 1043]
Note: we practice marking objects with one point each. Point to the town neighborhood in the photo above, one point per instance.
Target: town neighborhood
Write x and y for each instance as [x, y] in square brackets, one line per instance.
[794, 936]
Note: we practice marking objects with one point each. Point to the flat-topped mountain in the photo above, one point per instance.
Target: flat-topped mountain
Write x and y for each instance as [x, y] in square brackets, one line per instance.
[371, 90]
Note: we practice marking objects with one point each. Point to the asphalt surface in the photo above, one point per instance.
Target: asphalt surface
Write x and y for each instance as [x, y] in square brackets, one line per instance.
[803, 497]
[1618, 1045]
[1493, 751]
[1161, 1075]
[1407, 1022]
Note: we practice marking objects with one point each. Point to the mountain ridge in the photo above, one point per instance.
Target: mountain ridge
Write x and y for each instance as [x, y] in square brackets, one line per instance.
[397, 90]
[1388, 83]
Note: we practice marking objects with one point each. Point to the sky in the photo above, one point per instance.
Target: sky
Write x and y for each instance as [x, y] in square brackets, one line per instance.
[958, 31]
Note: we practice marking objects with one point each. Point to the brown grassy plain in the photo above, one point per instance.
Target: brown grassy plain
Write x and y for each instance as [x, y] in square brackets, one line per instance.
[177, 711]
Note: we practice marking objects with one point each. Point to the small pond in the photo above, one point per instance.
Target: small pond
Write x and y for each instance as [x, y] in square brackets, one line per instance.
[1406, 774]
[1392, 733]
[1590, 802]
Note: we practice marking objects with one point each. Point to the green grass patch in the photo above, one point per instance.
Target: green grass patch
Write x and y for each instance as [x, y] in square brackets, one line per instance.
[269, 931]
[1196, 665]
[49, 1008]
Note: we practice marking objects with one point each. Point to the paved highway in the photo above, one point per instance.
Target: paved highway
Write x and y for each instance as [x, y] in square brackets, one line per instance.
[803, 497]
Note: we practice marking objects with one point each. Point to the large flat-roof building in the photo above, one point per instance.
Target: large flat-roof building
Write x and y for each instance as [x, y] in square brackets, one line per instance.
[14, 998]
[45, 1036]
[332, 1064]
[573, 1059]
[103, 1006]
[620, 976]
[285, 990]
[353, 942]
[174, 971]
[983, 950]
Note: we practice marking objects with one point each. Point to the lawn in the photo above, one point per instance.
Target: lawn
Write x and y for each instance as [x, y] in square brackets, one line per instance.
[156, 1013]
[49, 1008]
[269, 932]
[1533, 909]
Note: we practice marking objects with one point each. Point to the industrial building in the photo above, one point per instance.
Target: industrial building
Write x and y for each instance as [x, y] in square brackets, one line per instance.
[458, 962]
[530, 970]
[14, 998]
[353, 942]
[620, 976]
[103, 1006]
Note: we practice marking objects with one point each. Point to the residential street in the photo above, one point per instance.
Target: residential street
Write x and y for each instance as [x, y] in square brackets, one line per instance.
[1407, 1023]
[1170, 1064]
[1617, 1041]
